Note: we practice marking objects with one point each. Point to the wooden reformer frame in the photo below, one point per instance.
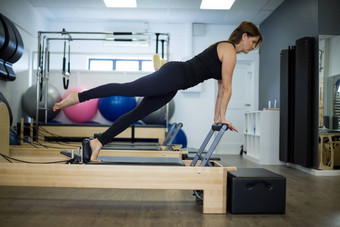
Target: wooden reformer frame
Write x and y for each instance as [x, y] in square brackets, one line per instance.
[211, 180]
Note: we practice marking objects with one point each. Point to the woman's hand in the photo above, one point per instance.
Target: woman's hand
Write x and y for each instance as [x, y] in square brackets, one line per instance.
[230, 125]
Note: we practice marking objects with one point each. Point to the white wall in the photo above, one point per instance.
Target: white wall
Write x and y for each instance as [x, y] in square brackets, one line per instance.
[194, 109]
[29, 22]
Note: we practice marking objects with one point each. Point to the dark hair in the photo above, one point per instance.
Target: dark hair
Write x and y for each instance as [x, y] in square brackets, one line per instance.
[250, 29]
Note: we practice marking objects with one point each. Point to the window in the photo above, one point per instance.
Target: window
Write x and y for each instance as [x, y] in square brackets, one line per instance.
[131, 65]
[101, 65]
[147, 66]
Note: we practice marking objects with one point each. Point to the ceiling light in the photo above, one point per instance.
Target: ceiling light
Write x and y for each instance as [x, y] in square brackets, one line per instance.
[121, 3]
[217, 4]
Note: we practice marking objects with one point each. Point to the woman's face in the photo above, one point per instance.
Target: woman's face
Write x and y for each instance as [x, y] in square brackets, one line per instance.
[249, 43]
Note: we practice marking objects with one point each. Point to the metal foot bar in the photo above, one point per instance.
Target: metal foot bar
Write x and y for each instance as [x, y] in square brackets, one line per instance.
[172, 138]
[205, 161]
[165, 142]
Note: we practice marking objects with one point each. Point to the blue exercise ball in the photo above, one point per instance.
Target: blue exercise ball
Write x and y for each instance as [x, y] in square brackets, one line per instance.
[180, 138]
[115, 106]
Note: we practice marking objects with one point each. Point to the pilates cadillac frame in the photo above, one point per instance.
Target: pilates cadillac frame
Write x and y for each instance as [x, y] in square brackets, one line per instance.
[44, 38]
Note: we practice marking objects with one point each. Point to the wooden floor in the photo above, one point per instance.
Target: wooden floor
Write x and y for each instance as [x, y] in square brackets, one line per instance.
[311, 201]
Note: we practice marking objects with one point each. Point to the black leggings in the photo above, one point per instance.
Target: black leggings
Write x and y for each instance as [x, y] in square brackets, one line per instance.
[157, 89]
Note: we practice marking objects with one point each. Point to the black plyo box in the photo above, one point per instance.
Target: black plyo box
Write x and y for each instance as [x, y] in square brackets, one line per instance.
[256, 191]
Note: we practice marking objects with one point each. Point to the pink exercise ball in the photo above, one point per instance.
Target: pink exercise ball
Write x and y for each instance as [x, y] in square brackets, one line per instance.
[82, 112]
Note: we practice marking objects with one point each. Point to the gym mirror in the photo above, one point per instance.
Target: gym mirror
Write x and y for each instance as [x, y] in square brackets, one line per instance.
[329, 82]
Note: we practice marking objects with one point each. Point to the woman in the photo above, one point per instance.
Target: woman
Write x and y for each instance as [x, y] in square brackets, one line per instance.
[217, 61]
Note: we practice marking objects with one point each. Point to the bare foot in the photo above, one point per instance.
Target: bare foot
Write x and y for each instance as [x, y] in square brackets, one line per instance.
[95, 147]
[70, 100]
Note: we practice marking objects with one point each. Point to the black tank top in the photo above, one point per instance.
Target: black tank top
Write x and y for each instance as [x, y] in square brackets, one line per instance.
[203, 66]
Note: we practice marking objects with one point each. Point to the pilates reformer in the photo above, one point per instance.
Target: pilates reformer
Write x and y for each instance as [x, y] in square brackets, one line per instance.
[161, 161]
[168, 150]
[85, 154]
[201, 174]
[134, 132]
[79, 131]
[167, 145]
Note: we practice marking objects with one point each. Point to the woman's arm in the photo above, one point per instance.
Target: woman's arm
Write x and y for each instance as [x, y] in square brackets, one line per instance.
[218, 102]
[228, 57]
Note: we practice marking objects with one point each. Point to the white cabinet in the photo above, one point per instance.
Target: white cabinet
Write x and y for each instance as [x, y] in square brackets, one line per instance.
[262, 137]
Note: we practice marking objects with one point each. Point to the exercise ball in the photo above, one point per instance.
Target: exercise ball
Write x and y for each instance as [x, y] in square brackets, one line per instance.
[180, 138]
[158, 116]
[82, 112]
[115, 106]
[29, 102]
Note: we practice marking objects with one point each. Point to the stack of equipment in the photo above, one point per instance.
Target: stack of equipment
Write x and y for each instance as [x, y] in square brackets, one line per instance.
[11, 48]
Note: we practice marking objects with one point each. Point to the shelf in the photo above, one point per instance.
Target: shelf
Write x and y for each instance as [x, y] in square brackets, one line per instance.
[263, 145]
[251, 134]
